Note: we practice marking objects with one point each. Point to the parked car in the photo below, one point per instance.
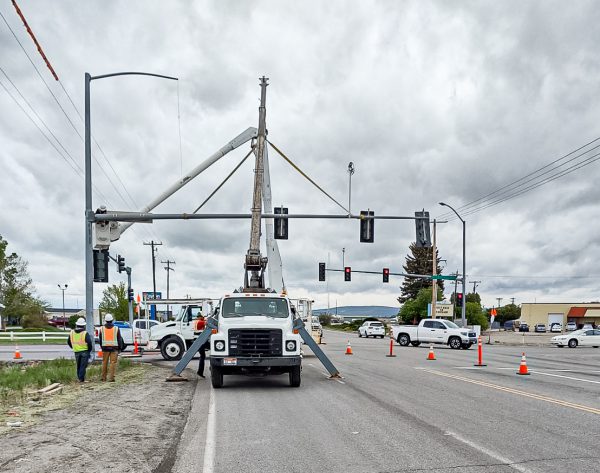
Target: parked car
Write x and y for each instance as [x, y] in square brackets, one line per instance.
[540, 328]
[371, 329]
[523, 327]
[571, 326]
[590, 338]
[509, 325]
[556, 327]
[587, 327]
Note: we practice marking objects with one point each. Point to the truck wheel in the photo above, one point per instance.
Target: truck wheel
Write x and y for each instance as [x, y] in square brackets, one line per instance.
[359, 334]
[295, 376]
[172, 349]
[216, 377]
[455, 343]
[403, 340]
[415, 344]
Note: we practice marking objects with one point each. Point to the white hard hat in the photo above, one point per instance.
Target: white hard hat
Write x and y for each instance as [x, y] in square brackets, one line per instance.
[80, 322]
[108, 318]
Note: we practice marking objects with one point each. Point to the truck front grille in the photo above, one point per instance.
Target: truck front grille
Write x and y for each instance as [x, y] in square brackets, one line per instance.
[255, 342]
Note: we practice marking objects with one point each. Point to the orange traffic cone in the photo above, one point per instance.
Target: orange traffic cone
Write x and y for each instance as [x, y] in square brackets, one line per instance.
[17, 353]
[100, 352]
[431, 356]
[135, 346]
[523, 367]
[348, 348]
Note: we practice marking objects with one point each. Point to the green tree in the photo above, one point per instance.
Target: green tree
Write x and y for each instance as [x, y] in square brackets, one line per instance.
[507, 312]
[325, 319]
[413, 310]
[17, 292]
[114, 301]
[418, 261]
[476, 315]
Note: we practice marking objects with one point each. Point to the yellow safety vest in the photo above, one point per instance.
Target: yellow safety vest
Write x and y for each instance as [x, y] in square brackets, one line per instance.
[78, 341]
[109, 336]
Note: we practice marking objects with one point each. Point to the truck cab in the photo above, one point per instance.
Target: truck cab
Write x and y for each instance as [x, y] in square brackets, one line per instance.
[254, 337]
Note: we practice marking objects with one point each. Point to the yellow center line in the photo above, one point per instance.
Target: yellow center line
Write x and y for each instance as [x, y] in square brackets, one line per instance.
[518, 392]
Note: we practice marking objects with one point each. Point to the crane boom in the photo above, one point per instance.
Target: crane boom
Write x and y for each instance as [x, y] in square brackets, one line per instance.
[255, 262]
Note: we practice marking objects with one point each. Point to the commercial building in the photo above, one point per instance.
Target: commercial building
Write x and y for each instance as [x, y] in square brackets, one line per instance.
[542, 313]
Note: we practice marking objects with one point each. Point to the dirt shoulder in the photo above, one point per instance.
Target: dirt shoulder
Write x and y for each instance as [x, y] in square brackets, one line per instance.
[124, 427]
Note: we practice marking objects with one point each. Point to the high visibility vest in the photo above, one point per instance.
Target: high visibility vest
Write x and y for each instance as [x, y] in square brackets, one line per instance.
[78, 341]
[109, 336]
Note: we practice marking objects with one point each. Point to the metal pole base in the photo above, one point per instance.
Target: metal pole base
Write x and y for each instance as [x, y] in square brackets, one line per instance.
[390, 356]
[476, 364]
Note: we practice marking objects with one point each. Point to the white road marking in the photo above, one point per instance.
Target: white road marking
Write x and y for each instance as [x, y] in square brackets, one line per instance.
[209, 446]
[566, 377]
[490, 453]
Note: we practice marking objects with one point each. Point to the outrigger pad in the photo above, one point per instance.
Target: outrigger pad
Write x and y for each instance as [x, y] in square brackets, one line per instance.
[175, 378]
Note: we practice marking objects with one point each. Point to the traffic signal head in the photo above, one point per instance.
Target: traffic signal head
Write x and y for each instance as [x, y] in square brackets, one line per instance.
[386, 274]
[423, 237]
[281, 224]
[120, 263]
[321, 271]
[367, 226]
[459, 299]
[347, 273]
[130, 294]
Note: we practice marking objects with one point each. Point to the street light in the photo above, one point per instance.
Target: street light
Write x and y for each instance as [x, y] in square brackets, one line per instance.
[63, 289]
[89, 213]
[464, 280]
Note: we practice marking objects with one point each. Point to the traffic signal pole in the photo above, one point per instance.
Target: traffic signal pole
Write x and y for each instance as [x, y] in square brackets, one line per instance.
[129, 301]
[433, 273]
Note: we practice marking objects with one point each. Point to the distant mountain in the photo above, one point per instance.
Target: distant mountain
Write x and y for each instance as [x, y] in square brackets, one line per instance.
[361, 310]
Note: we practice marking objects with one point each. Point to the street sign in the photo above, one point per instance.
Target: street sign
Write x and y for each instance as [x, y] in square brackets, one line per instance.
[444, 277]
[151, 296]
[441, 310]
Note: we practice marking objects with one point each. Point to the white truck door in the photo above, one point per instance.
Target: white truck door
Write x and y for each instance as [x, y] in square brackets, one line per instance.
[427, 331]
[188, 323]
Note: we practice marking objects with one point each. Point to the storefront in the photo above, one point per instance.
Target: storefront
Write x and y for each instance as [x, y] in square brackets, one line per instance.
[541, 313]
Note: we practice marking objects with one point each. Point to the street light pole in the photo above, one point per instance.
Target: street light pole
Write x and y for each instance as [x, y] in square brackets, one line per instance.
[89, 214]
[464, 276]
[63, 289]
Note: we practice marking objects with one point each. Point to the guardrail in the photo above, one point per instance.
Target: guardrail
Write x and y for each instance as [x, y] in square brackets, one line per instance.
[18, 336]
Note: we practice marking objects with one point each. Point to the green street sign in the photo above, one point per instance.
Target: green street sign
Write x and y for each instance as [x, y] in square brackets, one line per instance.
[446, 278]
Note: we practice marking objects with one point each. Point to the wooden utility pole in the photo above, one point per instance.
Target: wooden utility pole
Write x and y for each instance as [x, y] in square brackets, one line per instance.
[168, 269]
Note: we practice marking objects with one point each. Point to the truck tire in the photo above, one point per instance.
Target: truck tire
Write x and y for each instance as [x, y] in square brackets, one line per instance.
[455, 343]
[415, 344]
[403, 339]
[172, 349]
[295, 376]
[216, 377]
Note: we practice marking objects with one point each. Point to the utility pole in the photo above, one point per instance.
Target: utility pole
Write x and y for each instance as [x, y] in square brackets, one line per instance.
[455, 289]
[129, 300]
[152, 244]
[499, 299]
[168, 269]
[512, 300]
[433, 272]
[63, 289]
[475, 283]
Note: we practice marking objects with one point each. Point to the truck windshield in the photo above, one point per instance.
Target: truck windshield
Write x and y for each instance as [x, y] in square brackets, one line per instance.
[253, 306]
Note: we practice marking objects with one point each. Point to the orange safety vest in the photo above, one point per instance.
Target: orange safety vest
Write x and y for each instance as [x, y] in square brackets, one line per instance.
[109, 336]
[78, 341]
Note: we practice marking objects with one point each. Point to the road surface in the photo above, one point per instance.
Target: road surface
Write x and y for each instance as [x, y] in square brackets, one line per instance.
[403, 414]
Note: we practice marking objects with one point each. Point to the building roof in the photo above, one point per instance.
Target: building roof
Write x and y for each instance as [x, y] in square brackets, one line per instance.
[55, 310]
[577, 311]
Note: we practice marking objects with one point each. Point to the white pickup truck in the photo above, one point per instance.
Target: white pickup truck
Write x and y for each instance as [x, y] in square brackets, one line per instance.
[438, 331]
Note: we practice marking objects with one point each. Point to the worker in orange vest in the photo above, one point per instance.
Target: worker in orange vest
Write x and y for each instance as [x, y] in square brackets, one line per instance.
[200, 326]
[81, 343]
[111, 343]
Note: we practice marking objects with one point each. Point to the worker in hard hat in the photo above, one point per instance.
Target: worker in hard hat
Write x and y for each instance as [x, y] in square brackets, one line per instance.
[200, 327]
[111, 343]
[81, 343]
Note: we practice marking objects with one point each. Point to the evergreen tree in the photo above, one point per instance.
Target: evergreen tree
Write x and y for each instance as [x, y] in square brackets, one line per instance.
[419, 261]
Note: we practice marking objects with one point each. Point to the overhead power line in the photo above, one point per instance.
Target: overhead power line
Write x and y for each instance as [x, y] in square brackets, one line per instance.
[537, 178]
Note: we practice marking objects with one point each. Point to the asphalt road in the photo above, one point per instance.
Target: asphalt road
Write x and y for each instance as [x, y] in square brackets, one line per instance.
[36, 352]
[403, 414]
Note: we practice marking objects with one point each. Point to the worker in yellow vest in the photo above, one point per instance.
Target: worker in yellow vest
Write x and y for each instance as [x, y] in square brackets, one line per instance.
[81, 343]
[111, 343]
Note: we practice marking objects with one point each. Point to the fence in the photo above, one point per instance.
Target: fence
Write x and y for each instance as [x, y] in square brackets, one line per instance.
[44, 336]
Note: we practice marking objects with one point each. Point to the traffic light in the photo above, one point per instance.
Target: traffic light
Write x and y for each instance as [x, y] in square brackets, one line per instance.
[281, 224]
[423, 238]
[367, 226]
[130, 294]
[321, 271]
[347, 273]
[120, 263]
[100, 259]
[459, 299]
[386, 274]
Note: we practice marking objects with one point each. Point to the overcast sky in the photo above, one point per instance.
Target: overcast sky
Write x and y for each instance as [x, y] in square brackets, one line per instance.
[432, 101]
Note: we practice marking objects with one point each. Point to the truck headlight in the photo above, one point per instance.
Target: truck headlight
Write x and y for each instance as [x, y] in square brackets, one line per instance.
[219, 345]
[290, 345]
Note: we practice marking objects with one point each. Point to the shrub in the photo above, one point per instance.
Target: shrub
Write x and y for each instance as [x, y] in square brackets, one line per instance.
[35, 321]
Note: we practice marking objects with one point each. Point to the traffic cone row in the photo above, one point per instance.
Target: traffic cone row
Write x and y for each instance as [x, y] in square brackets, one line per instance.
[431, 356]
[523, 367]
[348, 348]
[17, 353]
